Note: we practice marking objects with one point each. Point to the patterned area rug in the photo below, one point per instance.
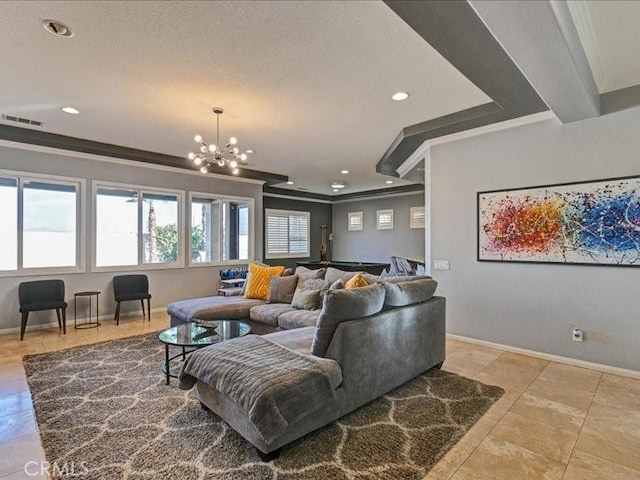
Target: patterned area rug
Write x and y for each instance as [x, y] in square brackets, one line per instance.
[104, 412]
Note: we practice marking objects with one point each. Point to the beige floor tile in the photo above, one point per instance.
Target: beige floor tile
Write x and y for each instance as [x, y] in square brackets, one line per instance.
[620, 392]
[17, 425]
[623, 421]
[15, 403]
[552, 413]
[502, 460]
[560, 393]
[535, 436]
[570, 376]
[523, 361]
[512, 378]
[32, 473]
[502, 406]
[466, 473]
[15, 454]
[611, 445]
[584, 466]
[13, 382]
[454, 344]
[462, 367]
[481, 429]
[477, 355]
[452, 460]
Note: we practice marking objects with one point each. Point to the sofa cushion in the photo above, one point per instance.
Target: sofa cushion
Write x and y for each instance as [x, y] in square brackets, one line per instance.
[298, 318]
[343, 305]
[403, 278]
[305, 274]
[212, 308]
[308, 294]
[409, 292]
[258, 280]
[334, 274]
[299, 340]
[269, 312]
[281, 289]
[370, 278]
[356, 281]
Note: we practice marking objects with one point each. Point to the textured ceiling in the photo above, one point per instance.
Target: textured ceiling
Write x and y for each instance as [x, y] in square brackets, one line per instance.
[610, 36]
[305, 84]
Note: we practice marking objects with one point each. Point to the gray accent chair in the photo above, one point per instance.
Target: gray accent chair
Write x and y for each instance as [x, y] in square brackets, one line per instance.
[131, 287]
[42, 295]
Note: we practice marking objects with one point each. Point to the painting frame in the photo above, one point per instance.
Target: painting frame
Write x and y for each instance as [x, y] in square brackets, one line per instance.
[590, 223]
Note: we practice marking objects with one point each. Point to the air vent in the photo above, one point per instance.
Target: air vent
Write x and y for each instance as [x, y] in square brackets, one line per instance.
[25, 121]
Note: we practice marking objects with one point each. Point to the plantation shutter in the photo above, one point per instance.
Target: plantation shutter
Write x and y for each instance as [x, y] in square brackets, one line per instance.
[287, 233]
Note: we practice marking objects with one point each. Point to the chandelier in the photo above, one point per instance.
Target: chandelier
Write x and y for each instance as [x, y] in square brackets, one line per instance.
[228, 155]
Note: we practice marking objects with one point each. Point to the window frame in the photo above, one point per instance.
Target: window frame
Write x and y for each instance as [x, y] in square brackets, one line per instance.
[251, 221]
[80, 184]
[357, 227]
[417, 217]
[141, 190]
[380, 214]
[280, 212]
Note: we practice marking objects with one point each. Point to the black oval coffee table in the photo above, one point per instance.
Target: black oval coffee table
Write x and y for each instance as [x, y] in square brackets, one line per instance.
[198, 334]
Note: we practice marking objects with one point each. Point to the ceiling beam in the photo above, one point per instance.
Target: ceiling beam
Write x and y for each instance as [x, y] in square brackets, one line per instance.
[63, 142]
[541, 38]
[454, 29]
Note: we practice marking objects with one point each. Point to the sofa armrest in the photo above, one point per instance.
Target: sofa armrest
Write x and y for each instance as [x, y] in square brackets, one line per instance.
[381, 352]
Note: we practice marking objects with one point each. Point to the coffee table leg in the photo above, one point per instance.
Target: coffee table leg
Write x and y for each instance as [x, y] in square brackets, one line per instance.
[166, 361]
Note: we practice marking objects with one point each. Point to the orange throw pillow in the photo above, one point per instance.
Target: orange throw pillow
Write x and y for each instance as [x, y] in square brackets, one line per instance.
[356, 281]
[258, 280]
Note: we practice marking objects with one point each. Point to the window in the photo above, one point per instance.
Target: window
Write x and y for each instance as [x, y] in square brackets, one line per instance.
[136, 227]
[384, 219]
[287, 234]
[220, 229]
[355, 221]
[417, 217]
[40, 224]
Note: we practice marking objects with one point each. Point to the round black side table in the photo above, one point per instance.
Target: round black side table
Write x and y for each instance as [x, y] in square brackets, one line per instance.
[89, 323]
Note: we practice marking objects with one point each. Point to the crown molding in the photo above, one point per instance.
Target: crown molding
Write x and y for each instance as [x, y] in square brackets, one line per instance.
[63, 144]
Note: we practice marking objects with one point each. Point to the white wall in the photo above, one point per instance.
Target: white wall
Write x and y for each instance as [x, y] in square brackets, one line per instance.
[165, 285]
[371, 245]
[535, 306]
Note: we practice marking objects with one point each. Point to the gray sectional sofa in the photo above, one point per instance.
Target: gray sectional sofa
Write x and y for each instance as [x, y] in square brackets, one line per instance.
[363, 343]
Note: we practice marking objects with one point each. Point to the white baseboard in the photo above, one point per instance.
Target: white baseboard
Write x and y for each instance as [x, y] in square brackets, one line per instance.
[54, 324]
[549, 356]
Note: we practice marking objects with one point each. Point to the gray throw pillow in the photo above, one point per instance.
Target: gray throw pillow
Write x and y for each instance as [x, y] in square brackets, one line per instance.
[342, 305]
[281, 289]
[305, 274]
[409, 292]
[308, 294]
[334, 274]
[403, 278]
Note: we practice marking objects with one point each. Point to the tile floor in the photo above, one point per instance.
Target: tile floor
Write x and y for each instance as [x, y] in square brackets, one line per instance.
[554, 422]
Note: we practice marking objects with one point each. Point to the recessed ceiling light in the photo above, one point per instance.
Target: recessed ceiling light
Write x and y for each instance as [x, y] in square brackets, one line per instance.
[336, 189]
[249, 151]
[70, 110]
[57, 28]
[399, 96]
[289, 182]
[337, 185]
[389, 182]
[344, 172]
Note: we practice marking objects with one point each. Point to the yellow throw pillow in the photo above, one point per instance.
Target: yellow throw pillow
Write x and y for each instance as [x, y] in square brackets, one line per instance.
[356, 281]
[258, 280]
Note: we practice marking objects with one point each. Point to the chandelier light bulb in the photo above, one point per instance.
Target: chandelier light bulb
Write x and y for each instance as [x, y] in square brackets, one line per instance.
[225, 156]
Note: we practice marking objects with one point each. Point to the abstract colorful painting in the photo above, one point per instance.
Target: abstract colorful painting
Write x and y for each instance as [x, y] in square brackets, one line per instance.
[595, 222]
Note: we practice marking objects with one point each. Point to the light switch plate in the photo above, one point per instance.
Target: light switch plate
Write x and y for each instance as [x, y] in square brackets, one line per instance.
[441, 264]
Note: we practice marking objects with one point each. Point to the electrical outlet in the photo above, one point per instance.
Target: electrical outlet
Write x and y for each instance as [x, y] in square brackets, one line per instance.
[441, 264]
[577, 335]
